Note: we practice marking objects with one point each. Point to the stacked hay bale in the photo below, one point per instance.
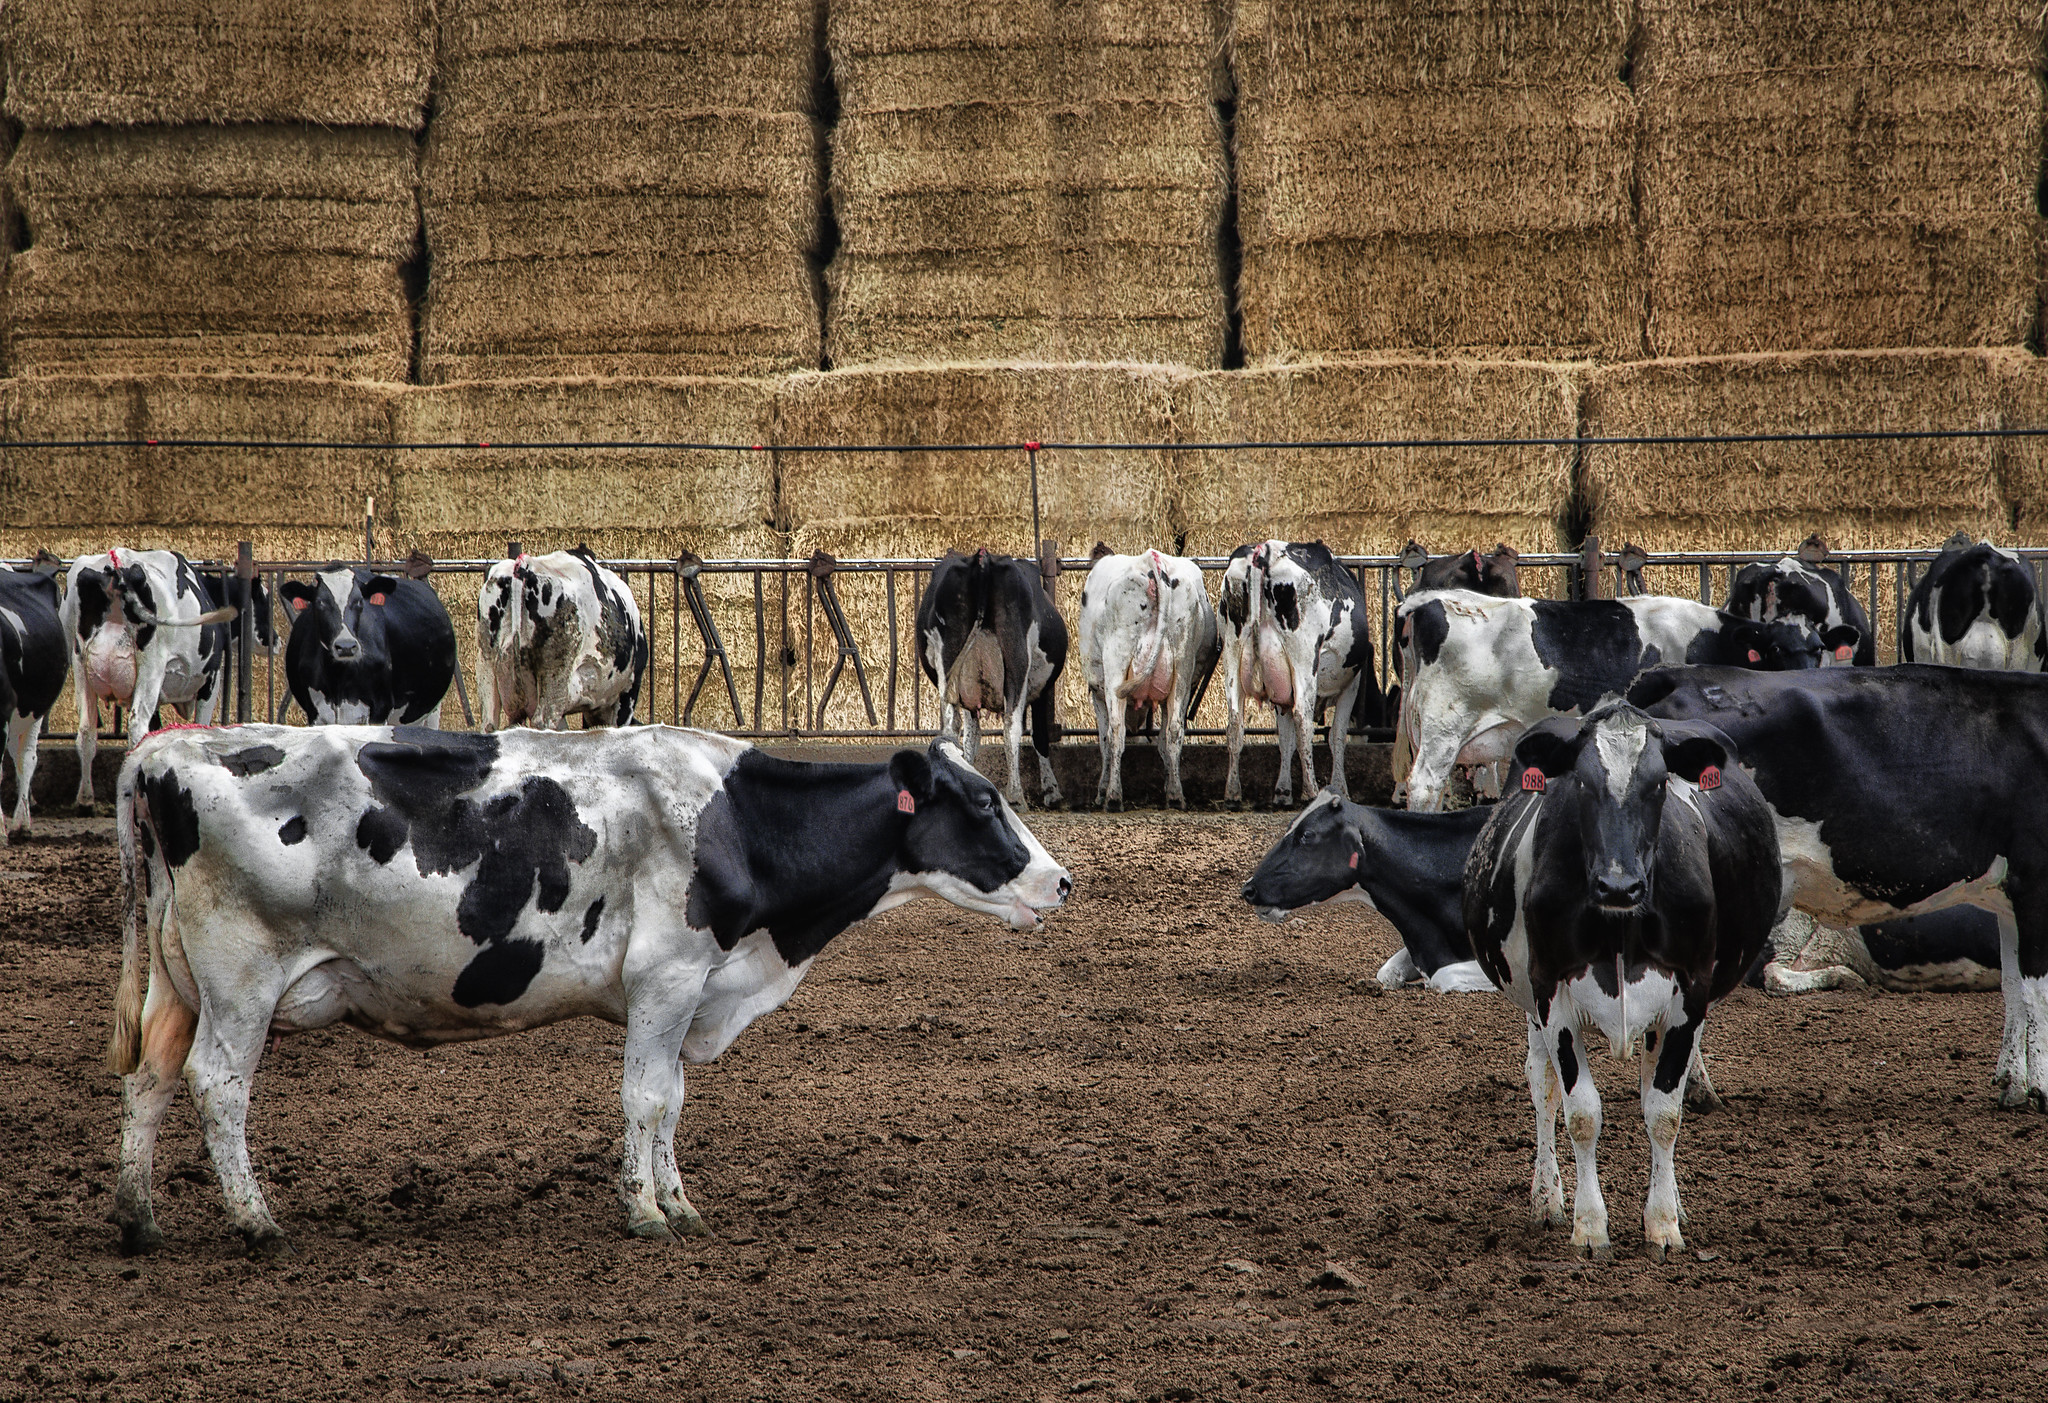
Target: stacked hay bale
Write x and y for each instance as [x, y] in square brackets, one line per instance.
[247, 249]
[1836, 175]
[624, 503]
[917, 506]
[622, 189]
[159, 242]
[1043, 183]
[1450, 182]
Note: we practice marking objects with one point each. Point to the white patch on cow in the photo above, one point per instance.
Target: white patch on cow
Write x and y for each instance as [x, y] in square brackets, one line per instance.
[750, 982]
[1460, 977]
[1619, 743]
[1399, 971]
[338, 713]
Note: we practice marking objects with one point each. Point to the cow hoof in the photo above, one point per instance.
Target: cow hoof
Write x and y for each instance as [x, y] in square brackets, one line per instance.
[652, 1229]
[1705, 1102]
[1054, 800]
[2017, 1096]
[1595, 1251]
[266, 1245]
[1112, 806]
[1549, 1216]
[1233, 804]
[1176, 801]
[687, 1222]
[85, 808]
[140, 1239]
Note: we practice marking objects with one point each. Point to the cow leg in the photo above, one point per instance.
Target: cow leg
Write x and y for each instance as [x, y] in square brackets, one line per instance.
[88, 734]
[1700, 1096]
[1546, 1186]
[1233, 793]
[1013, 742]
[432, 720]
[226, 1046]
[2022, 1073]
[1041, 745]
[1284, 731]
[1113, 755]
[1340, 725]
[1102, 744]
[146, 1092]
[1173, 727]
[21, 748]
[651, 1096]
[1305, 737]
[1582, 1123]
[971, 725]
[1664, 1079]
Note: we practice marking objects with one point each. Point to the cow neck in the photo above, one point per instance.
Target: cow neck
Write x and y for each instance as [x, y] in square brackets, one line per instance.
[798, 849]
[1414, 871]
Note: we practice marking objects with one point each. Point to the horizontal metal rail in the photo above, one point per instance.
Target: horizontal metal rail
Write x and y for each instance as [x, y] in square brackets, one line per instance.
[698, 666]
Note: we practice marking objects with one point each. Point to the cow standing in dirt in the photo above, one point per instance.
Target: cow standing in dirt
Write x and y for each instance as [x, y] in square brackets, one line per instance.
[557, 636]
[1148, 638]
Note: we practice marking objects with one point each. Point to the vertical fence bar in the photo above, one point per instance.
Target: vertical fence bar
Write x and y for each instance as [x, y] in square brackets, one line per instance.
[1706, 583]
[889, 575]
[1872, 588]
[916, 652]
[1898, 603]
[675, 642]
[784, 653]
[810, 705]
[760, 651]
[245, 656]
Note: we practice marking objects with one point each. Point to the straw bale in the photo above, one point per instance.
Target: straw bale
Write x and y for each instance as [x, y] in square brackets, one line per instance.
[1372, 501]
[548, 57]
[116, 62]
[1309, 47]
[1092, 237]
[198, 500]
[1740, 496]
[1722, 38]
[2023, 461]
[620, 190]
[623, 503]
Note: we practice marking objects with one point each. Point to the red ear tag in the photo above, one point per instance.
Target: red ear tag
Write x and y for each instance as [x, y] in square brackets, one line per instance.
[298, 606]
[1532, 780]
[1755, 656]
[907, 805]
[1354, 862]
[377, 599]
[1710, 777]
[1843, 653]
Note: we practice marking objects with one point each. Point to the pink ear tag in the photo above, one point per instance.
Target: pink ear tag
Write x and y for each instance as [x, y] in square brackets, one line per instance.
[1354, 862]
[1710, 777]
[1532, 780]
[904, 803]
[1755, 656]
[1843, 653]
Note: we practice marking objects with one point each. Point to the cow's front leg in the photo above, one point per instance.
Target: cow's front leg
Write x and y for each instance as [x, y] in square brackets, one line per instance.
[1663, 1086]
[2010, 1075]
[1582, 1123]
[226, 1046]
[1546, 1185]
[651, 1096]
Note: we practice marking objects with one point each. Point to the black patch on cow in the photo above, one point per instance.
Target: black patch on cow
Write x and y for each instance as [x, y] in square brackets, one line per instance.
[292, 830]
[1650, 1040]
[1285, 607]
[1567, 1060]
[146, 839]
[1588, 643]
[590, 919]
[91, 590]
[1937, 938]
[380, 833]
[252, 760]
[173, 814]
[500, 973]
[1431, 627]
[1677, 1056]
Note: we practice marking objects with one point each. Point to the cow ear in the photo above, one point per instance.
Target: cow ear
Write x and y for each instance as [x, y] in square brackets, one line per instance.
[1842, 640]
[378, 588]
[297, 593]
[912, 772]
[1547, 751]
[1689, 757]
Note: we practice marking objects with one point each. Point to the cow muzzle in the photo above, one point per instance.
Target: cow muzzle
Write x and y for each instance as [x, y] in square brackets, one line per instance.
[1620, 891]
[344, 649]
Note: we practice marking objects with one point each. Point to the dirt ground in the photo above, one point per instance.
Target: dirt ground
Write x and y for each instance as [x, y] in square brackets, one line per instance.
[1158, 1150]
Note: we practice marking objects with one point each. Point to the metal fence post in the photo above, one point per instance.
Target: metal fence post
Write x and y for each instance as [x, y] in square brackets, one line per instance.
[245, 655]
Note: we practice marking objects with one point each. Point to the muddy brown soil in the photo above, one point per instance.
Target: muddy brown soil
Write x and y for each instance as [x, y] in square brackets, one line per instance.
[1158, 1150]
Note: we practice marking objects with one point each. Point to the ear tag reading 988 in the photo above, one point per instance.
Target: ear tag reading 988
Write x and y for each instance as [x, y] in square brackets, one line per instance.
[1532, 780]
[1710, 777]
[905, 804]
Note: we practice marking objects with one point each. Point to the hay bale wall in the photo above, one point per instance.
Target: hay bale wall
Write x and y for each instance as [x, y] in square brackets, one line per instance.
[621, 189]
[1454, 182]
[623, 503]
[271, 250]
[1027, 183]
[1840, 175]
[337, 63]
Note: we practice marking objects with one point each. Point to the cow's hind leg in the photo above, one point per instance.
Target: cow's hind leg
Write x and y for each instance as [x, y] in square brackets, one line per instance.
[1285, 733]
[146, 1092]
[1102, 744]
[21, 748]
[1582, 1123]
[1041, 745]
[2022, 1073]
[1663, 1087]
[1546, 1185]
[226, 1046]
[88, 737]
[1700, 1096]
[1340, 724]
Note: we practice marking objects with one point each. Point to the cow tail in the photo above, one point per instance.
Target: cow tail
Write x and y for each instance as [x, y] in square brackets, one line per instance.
[124, 1044]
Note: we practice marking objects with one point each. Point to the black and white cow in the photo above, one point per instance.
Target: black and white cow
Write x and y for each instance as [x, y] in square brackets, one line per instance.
[557, 635]
[1626, 882]
[1409, 867]
[143, 631]
[1295, 635]
[33, 664]
[1975, 607]
[1148, 636]
[1948, 951]
[1484, 669]
[367, 647]
[1790, 588]
[432, 888]
[1497, 573]
[1900, 791]
[990, 640]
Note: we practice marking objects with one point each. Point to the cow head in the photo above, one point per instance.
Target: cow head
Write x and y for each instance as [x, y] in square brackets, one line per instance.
[1317, 860]
[1779, 645]
[1497, 573]
[1781, 589]
[1611, 769]
[332, 606]
[964, 844]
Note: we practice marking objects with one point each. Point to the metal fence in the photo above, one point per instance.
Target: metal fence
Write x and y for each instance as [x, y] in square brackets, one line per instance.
[825, 649]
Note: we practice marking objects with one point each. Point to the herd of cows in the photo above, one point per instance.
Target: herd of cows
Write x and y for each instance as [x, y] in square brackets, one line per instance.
[1674, 783]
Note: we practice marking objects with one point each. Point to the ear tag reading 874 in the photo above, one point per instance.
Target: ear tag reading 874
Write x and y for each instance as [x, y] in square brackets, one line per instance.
[1710, 777]
[907, 805]
[1532, 780]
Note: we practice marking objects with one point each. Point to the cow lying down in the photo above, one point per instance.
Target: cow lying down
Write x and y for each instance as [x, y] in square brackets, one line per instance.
[431, 887]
